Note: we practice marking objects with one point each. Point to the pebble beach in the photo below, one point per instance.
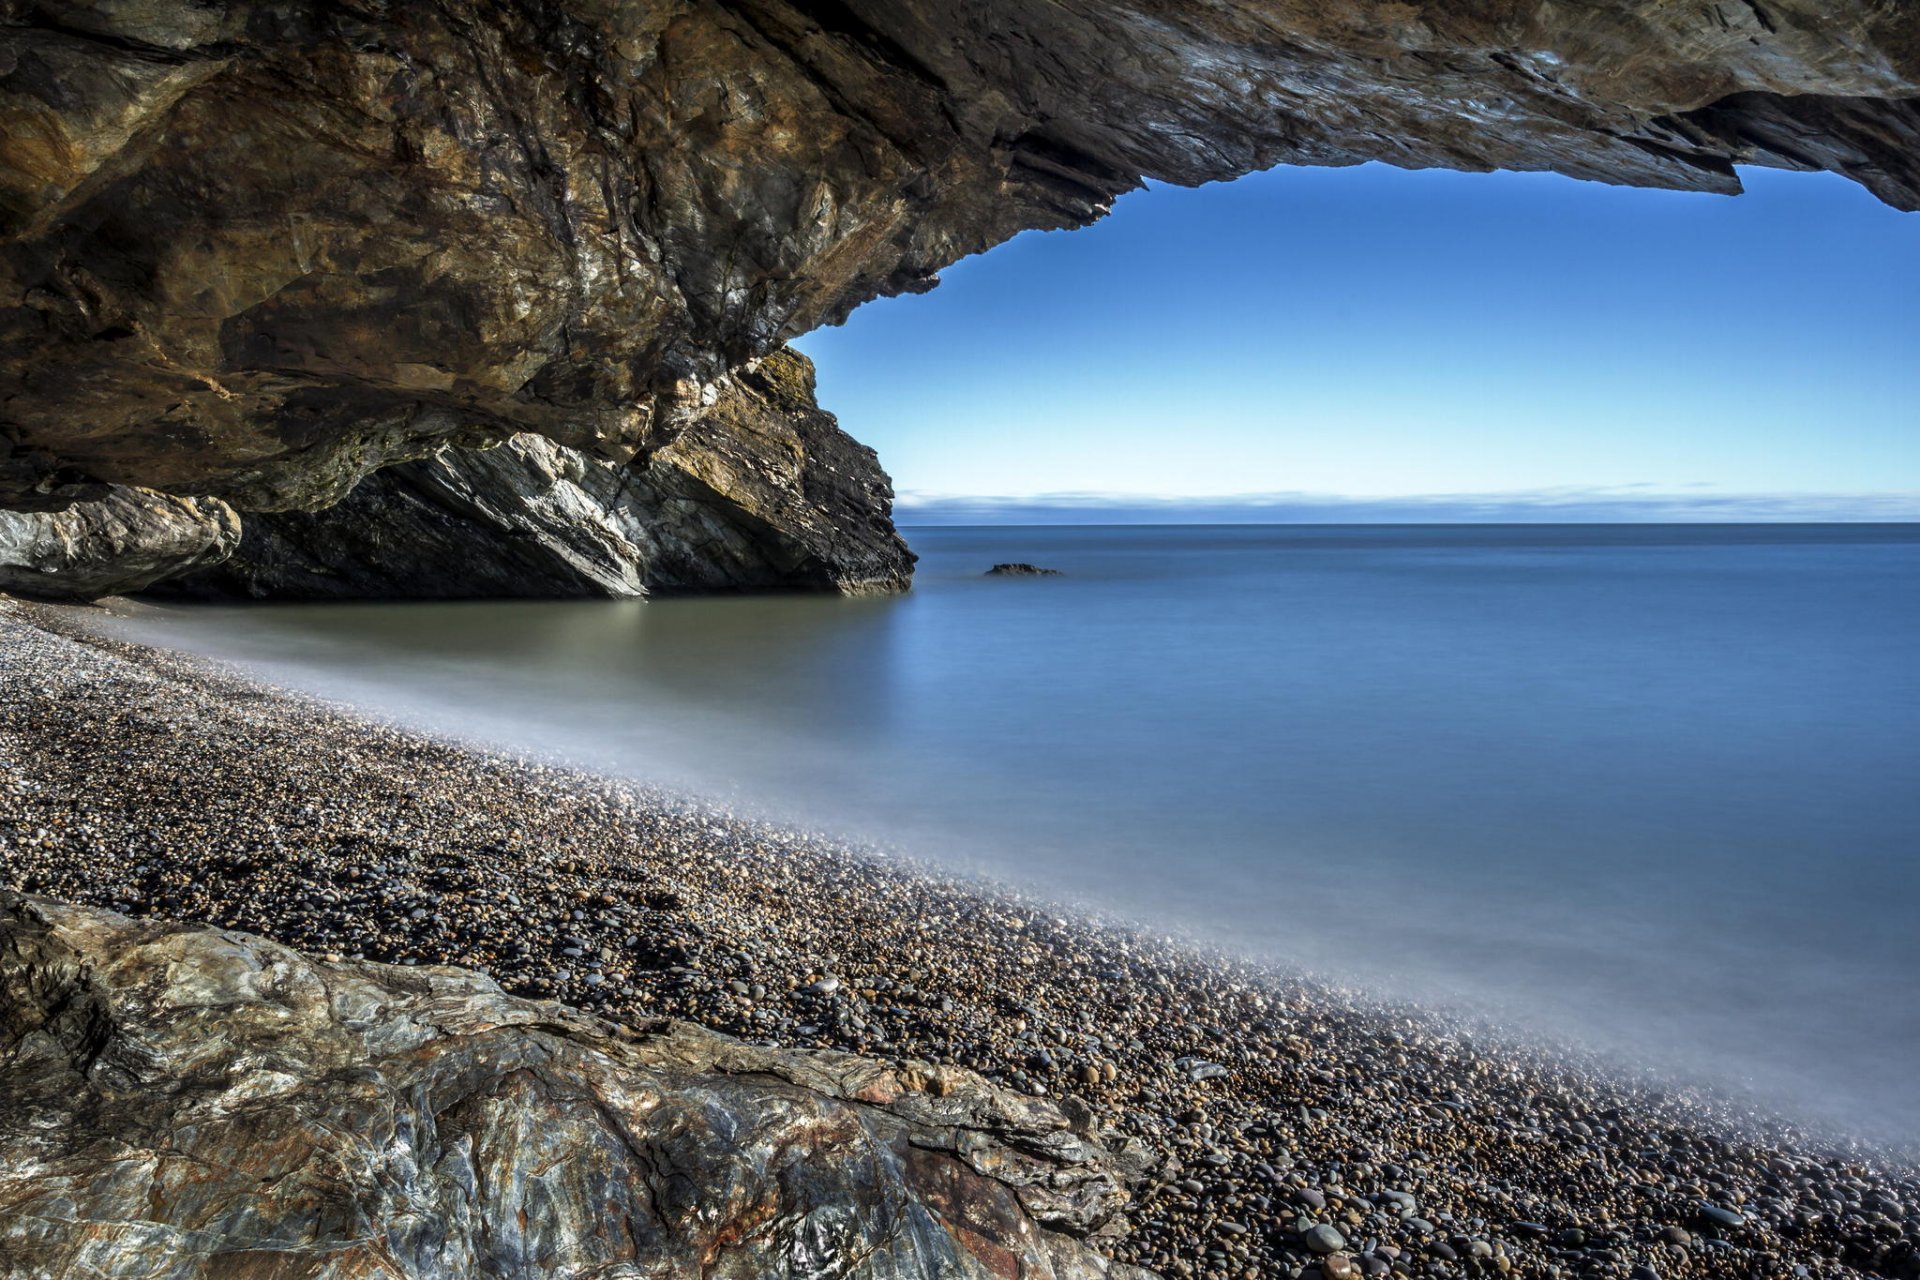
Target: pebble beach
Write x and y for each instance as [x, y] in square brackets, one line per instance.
[1300, 1130]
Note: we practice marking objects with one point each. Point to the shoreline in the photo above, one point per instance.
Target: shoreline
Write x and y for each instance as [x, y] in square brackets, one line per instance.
[1283, 1105]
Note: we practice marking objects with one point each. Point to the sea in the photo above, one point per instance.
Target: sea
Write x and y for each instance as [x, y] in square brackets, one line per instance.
[1651, 792]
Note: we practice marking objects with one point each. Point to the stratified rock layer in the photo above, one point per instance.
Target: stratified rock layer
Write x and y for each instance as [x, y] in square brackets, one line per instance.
[123, 542]
[256, 248]
[179, 1102]
[763, 492]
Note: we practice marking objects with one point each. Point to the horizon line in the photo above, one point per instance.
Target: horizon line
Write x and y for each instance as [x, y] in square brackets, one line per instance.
[1614, 504]
[1407, 524]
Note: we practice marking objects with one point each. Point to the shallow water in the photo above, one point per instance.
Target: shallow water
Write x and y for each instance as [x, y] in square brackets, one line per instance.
[1651, 788]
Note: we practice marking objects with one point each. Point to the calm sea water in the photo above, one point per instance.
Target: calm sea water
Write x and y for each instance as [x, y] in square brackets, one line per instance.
[1656, 789]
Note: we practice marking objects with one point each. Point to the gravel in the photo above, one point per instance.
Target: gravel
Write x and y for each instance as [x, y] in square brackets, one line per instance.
[1302, 1130]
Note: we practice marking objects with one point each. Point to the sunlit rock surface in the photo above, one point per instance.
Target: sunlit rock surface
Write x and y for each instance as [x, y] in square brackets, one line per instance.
[124, 541]
[256, 248]
[181, 1102]
[763, 492]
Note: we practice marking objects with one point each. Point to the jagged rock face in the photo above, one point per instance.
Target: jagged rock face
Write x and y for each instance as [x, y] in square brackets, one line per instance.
[256, 248]
[527, 518]
[764, 492]
[179, 1102]
[123, 542]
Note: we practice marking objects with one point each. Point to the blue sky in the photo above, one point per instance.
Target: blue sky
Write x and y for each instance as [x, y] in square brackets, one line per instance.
[1330, 336]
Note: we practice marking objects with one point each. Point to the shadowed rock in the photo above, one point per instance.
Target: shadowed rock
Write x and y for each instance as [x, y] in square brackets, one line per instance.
[181, 1102]
[122, 542]
[763, 492]
[1021, 569]
[258, 248]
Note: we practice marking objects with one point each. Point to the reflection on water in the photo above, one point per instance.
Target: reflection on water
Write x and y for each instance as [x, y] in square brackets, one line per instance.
[1651, 787]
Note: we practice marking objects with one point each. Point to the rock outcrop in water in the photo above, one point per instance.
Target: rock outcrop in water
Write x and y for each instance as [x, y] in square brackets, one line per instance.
[764, 492]
[183, 1102]
[258, 248]
[125, 541]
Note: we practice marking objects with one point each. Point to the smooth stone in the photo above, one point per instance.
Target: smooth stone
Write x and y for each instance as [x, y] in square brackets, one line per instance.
[1323, 1238]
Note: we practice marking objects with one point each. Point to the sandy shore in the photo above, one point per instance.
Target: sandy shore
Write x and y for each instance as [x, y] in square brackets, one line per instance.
[1305, 1131]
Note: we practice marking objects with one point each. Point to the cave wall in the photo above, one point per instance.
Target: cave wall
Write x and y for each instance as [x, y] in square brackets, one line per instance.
[257, 248]
[763, 493]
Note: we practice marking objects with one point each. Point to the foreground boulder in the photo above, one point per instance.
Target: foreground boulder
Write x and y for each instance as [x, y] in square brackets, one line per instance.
[763, 492]
[180, 1102]
[121, 542]
[258, 248]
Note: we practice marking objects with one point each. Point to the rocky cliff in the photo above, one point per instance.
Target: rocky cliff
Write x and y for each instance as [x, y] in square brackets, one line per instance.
[256, 248]
[182, 1102]
[763, 492]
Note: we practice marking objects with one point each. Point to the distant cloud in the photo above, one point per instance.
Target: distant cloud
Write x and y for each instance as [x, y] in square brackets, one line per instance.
[1631, 503]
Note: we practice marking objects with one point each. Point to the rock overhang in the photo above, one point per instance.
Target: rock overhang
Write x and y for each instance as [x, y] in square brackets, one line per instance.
[255, 249]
